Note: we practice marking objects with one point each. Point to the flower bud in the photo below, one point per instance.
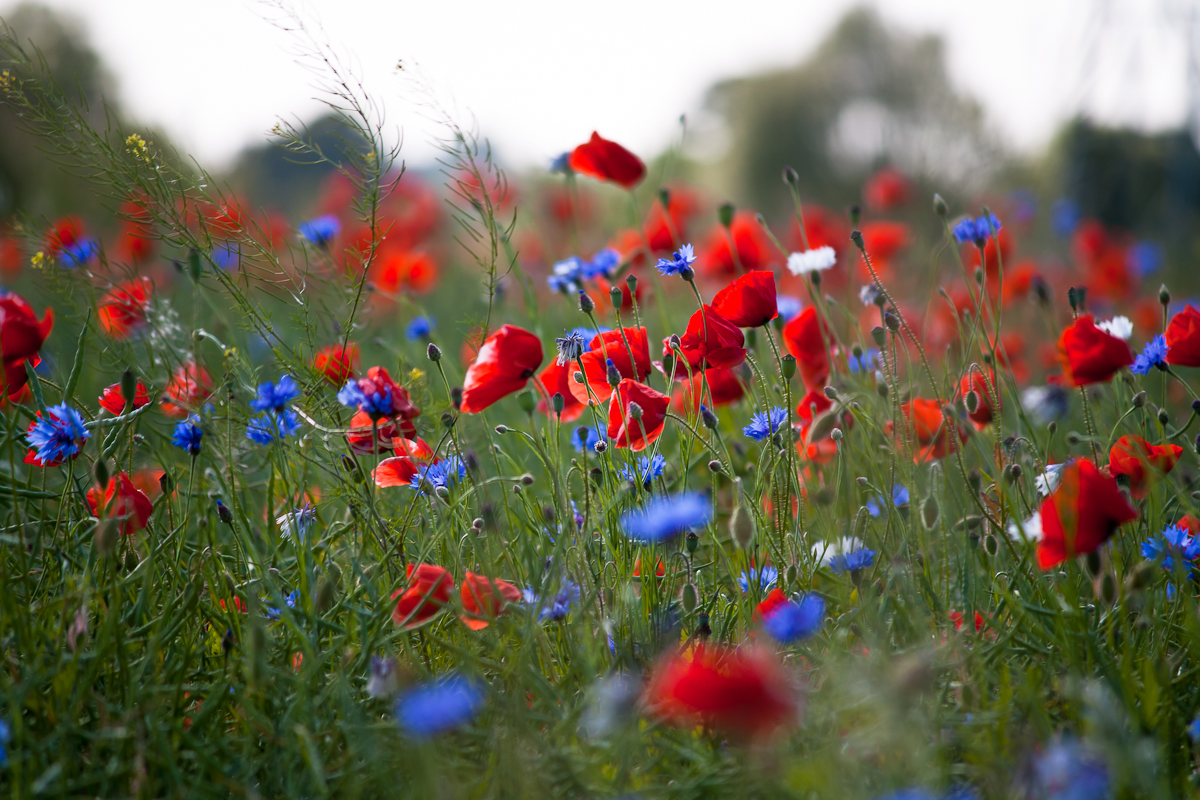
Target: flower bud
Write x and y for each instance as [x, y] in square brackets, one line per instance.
[527, 479]
[1163, 416]
[101, 471]
[224, 514]
[972, 401]
[836, 434]
[578, 376]
[857, 237]
[725, 214]
[708, 418]
[600, 446]
[668, 364]
[527, 402]
[790, 176]
[831, 392]
[892, 321]
[787, 366]
[855, 216]
[881, 389]
[751, 337]
[939, 205]
[1139, 400]
[166, 483]
[673, 341]
[1141, 576]
[635, 411]
[108, 533]
[930, 512]
[433, 352]
[447, 420]
[979, 276]
[128, 389]
[741, 526]
[501, 429]
[1164, 296]
[688, 598]
[586, 304]
[558, 402]
[991, 545]
[614, 377]
[715, 467]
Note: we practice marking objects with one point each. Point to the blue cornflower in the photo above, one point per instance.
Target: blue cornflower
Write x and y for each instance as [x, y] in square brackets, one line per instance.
[587, 334]
[292, 598]
[680, 261]
[1173, 541]
[442, 475]
[80, 252]
[420, 328]
[1068, 771]
[227, 255]
[875, 505]
[429, 709]
[764, 577]
[58, 435]
[561, 163]
[295, 524]
[275, 396]
[377, 404]
[647, 470]
[1046, 403]
[559, 607]
[586, 437]
[188, 435]
[5, 736]
[567, 275]
[570, 347]
[321, 230]
[789, 307]
[852, 561]
[1193, 729]
[269, 426]
[795, 620]
[765, 423]
[1154, 354]
[602, 264]
[976, 231]
[867, 362]
[1065, 216]
[1025, 205]
[1144, 258]
[664, 517]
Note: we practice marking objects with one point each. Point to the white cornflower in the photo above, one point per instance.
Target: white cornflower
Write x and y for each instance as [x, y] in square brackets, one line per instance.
[826, 552]
[1119, 327]
[868, 294]
[812, 260]
[1047, 482]
[1030, 530]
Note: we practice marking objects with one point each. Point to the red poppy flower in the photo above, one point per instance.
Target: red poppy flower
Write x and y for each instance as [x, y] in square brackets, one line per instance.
[365, 441]
[607, 161]
[812, 406]
[1189, 524]
[427, 593]
[113, 400]
[64, 233]
[660, 569]
[754, 249]
[401, 469]
[238, 603]
[121, 499]
[667, 230]
[635, 434]
[1090, 355]
[808, 338]
[887, 189]
[883, 242]
[137, 239]
[506, 362]
[1081, 513]
[337, 363]
[396, 270]
[772, 602]
[378, 382]
[710, 341]
[1183, 338]
[957, 618]
[930, 431]
[1142, 462]
[122, 309]
[188, 388]
[610, 345]
[560, 379]
[21, 336]
[749, 301]
[822, 228]
[480, 601]
[975, 381]
[742, 691]
[724, 387]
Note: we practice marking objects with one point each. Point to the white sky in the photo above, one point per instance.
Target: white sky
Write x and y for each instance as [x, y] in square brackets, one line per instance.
[540, 75]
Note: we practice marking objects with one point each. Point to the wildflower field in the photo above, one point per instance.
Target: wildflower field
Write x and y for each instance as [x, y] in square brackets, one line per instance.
[584, 484]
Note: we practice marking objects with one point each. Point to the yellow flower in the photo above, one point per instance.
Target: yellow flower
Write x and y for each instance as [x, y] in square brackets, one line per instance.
[416, 375]
[38, 260]
[137, 147]
[6, 81]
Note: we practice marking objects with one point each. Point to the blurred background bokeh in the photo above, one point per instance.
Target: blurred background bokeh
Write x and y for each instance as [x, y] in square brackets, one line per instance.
[1051, 112]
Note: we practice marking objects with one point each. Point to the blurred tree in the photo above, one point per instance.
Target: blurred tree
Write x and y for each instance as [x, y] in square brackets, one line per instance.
[868, 97]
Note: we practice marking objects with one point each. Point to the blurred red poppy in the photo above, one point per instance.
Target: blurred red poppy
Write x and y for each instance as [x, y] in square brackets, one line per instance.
[427, 593]
[984, 388]
[401, 469]
[812, 406]
[710, 341]
[187, 389]
[480, 601]
[1141, 462]
[611, 345]
[1183, 338]
[122, 309]
[667, 230]
[957, 618]
[121, 499]
[1090, 355]
[749, 300]
[724, 387]
[396, 270]
[607, 161]
[21, 337]
[65, 232]
[623, 429]
[364, 441]
[1083, 511]
[887, 189]
[808, 338]
[930, 431]
[560, 379]
[774, 600]
[744, 691]
[337, 363]
[883, 242]
[506, 362]
[113, 400]
[754, 249]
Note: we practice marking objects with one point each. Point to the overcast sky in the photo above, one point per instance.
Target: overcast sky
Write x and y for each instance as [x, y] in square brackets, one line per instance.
[539, 75]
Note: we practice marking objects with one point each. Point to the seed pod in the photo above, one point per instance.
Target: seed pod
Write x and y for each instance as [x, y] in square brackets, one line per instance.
[1139, 400]
[1163, 416]
[741, 526]
[991, 545]
[527, 402]
[128, 389]
[930, 512]
[688, 598]
[433, 353]
[691, 542]
[615, 297]
[631, 281]
[879, 336]
[101, 471]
